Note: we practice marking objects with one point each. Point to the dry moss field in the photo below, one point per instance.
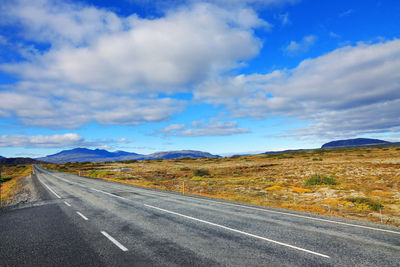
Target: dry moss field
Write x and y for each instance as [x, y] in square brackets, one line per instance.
[358, 183]
[12, 182]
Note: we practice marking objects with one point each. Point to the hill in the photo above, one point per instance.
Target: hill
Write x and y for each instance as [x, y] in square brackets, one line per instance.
[178, 154]
[85, 154]
[358, 142]
[2, 157]
[101, 155]
[18, 161]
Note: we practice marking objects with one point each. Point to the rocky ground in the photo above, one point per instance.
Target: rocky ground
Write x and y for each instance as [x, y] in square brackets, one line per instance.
[359, 183]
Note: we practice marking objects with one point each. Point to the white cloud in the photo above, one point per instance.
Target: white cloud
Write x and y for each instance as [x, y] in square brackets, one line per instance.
[334, 35]
[349, 91]
[162, 4]
[284, 18]
[110, 69]
[346, 13]
[59, 23]
[164, 54]
[68, 139]
[53, 106]
[303, 46]
[172, 128]
[57, 140]
[124, 141]
[202, 129]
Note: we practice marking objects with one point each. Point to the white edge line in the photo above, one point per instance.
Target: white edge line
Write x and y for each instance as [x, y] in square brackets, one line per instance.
[51, 190]
[254, 208]
[285, 213]
[66, 203]
[83, 216]
[240, 232]
[303, 216]
[114, 241]
[97, 190]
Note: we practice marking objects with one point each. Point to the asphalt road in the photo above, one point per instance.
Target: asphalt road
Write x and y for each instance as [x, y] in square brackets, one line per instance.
[91, 222]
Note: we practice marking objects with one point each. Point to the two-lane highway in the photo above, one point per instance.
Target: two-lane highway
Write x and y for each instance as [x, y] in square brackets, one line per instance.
[126, 225]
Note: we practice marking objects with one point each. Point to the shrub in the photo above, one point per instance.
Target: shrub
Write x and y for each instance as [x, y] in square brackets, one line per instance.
[318, 179]
[5, 179]
[371, 203]
[130, 161]
[201, 172]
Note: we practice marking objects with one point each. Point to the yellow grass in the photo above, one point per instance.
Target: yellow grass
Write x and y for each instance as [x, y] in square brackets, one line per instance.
[276, 180]
[11, 188]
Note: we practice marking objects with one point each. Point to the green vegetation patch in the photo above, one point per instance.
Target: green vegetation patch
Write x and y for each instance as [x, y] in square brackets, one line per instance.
[319, 179]
[5, 179]
[373, 204]
[201, 172]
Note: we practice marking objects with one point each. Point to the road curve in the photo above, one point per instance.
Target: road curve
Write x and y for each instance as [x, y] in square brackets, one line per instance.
[124, 225]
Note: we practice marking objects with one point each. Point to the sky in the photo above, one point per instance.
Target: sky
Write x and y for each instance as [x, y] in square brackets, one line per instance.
[226, 77]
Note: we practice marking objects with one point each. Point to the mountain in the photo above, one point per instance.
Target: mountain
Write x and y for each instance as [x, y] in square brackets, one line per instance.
[84, 154]
[178, 154]
[2, 157]
[354, 143]
[100, 155]
[17, 161]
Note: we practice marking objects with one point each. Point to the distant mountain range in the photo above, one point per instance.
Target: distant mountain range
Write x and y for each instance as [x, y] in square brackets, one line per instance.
[100, 155]
[2, 157]
[355, 143]
[348, 143]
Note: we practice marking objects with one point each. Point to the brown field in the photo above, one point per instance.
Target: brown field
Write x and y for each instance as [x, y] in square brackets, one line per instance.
[354, 183]
[12, 184]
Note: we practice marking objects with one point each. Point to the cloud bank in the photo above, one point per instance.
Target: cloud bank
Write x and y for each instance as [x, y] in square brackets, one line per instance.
[200, 128]
[349, 91]
[110, 69]
[78, 64]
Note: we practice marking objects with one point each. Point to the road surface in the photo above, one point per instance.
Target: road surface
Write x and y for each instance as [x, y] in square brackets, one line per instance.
[91, 222]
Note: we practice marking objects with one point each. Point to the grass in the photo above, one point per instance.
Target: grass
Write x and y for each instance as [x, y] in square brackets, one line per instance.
[291, 180]
[11, 181]
[372, 204]
[318, 179]
[201, 172]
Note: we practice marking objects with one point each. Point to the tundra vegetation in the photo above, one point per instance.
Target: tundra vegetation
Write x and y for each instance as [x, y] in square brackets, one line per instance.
[358, 183]
[12, 181]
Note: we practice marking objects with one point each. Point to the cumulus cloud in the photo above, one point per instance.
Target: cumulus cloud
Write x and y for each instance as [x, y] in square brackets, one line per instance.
[164, 54]
[349, 91]
[59, 23]
[200, 128]
[53, 106]
[293, 48]
[102, 67]
[68, 139]
[57, 140]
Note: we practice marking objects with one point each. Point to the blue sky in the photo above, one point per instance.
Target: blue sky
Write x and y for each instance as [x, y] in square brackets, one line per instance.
[221, 76]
